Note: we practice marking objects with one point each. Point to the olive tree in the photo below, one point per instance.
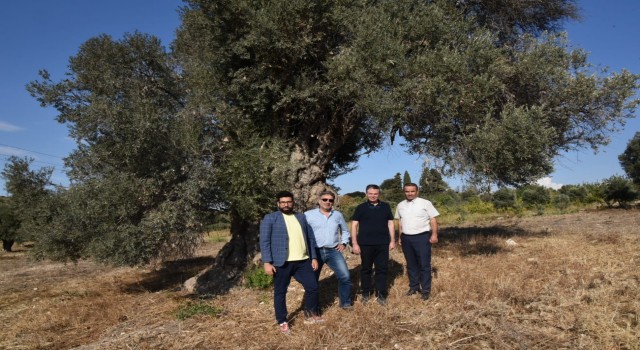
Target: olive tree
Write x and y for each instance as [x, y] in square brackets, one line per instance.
[259, 96]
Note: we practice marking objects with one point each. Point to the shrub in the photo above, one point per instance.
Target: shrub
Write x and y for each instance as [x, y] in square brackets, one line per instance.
[618, 189]
[575, 193]
[258, 279]
[561, 201]
[535, 196]
[504, 198]
[595, 193]
[475, 205]
[448, 198]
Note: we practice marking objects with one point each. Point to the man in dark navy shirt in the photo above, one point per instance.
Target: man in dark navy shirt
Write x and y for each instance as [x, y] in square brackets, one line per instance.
[373, 236]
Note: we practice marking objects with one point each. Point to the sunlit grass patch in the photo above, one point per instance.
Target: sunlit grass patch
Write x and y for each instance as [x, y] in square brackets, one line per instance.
[192, 309]
[218, 236]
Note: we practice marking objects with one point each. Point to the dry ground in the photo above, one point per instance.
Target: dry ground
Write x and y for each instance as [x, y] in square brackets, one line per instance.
[571, 282]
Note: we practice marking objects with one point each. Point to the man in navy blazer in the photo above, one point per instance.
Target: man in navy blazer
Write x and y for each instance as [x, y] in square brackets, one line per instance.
[287, 244]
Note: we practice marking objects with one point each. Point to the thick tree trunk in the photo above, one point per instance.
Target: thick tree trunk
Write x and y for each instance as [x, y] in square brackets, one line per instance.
[309, 177]
[232, 260]
[7, 244]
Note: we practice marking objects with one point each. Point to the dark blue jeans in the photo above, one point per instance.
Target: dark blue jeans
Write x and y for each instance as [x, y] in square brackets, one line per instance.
[303, 273]
[417, 253]
[375, 260]
[335, 260]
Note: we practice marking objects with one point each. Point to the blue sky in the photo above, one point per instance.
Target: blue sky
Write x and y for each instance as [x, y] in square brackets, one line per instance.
[43, 34]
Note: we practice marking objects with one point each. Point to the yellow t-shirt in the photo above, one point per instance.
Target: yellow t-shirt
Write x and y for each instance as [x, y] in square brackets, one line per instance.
[297, 245]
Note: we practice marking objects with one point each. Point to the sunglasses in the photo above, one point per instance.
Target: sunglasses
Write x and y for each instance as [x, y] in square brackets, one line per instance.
[330, 200]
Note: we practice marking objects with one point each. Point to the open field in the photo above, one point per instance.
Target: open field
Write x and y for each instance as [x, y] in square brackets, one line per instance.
[571, 282]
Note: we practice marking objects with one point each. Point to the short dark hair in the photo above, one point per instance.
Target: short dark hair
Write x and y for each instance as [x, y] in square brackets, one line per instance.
[324, 193]
[411, 184]
[282, 194]
[372, 186]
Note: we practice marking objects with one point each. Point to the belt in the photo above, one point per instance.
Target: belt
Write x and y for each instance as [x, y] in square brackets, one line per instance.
[417, 234]
[334, 247]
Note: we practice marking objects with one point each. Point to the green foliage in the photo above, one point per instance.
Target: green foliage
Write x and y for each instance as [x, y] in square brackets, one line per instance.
[431, 182]
[406, 178]
[561, 201]
[595, 192]
[511, 18]
[251, 173]
[475, 205]
[192, 309]
[393, 183]
[258, 279]
[356, 194]
[348, 204]
[442, 76]
[535, 196]
[630, 159]
[143, 175]
[391, 190]
[619, 190]
[448, 198]
[268, 63]
[30, 191]
[575, 193]
[504, 198]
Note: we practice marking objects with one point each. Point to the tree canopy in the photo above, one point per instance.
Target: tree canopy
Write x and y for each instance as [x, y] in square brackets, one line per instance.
[431, 181]
[630, 159]
[258, 96]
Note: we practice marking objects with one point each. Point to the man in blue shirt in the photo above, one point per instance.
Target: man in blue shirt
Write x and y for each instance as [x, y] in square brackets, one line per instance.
[326, 224]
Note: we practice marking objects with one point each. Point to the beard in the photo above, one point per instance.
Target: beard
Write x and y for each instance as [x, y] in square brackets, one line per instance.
[287, 210]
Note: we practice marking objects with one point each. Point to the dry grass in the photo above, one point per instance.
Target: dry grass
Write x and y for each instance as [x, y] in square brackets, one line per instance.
[571, 282]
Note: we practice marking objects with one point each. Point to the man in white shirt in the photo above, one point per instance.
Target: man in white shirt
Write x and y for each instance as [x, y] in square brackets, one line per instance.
[418, 231]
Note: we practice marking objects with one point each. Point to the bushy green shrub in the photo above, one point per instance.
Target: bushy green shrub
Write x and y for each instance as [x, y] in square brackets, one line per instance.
[448, 198]
[618, 189]
[535, 197]
[474, 205]
[504, 198]
[575, 193]
[258, 279]
[595, 192]
[561, 201]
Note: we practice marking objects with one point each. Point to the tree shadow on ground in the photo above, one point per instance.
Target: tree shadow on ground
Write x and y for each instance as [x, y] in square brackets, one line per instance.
[473, 240]
[170, 275]
[478, 240]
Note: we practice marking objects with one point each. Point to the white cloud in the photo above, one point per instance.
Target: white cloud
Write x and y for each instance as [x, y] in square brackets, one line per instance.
[548, 183]
[9, 127]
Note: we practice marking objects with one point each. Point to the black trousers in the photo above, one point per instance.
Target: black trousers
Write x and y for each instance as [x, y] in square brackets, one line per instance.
[375, 264]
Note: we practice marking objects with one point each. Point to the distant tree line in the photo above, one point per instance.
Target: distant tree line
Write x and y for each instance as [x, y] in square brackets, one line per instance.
[616, 191]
